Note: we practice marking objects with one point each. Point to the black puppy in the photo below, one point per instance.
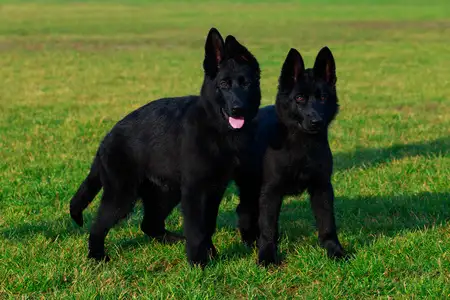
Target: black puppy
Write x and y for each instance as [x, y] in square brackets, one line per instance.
[174, 149]
[291, 154]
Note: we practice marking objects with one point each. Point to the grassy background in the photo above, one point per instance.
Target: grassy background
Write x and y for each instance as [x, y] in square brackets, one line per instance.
[69, 70]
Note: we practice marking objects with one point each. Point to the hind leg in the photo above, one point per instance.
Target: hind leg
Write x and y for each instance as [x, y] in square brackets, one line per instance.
[114, 207]
[248, 209]
[158, 205]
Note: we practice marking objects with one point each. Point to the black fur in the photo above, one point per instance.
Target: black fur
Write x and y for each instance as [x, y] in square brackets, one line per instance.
[176, 149]
[291, 154]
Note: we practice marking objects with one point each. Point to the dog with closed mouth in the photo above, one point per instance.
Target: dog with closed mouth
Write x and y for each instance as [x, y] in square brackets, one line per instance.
[291, 154]
[177, 149]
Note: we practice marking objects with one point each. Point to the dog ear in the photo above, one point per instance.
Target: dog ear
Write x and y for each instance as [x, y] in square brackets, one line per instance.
[214, 52]
[237, 51]
[325, 67]
[292, 70]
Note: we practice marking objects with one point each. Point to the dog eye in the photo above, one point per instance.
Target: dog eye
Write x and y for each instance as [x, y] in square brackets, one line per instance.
[223, 84]
[323, 97]
[243, 82]
[300, 98]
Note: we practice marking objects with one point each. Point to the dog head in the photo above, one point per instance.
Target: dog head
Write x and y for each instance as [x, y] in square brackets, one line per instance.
[231, 88]
[307, 99]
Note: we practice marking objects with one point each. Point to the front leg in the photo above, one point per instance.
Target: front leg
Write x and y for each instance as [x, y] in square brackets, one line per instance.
[322, 203]
[200, 207]
[270, 204]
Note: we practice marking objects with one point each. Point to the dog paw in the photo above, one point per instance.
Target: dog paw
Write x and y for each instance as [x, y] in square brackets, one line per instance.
[99, 257]
[198, 255]
[334, 249]
[170, 237]
[267, 255]
[201, 263]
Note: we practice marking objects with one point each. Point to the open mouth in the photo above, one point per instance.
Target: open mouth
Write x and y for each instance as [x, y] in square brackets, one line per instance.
[235, 122]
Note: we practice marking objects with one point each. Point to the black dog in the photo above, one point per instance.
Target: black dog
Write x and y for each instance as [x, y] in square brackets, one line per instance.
[291, 154]
[176, 149]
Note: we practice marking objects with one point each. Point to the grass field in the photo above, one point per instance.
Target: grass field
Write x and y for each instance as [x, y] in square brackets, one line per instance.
[70, 70]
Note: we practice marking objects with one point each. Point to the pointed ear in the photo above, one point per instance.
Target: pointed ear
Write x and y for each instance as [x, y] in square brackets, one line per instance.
[214, 52]
[293, 69]
[236, 50]
[325, 67]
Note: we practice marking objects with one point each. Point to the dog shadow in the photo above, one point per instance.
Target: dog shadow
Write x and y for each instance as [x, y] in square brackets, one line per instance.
[363, 218]
[371, 157]
[366, 219]
[53, 230]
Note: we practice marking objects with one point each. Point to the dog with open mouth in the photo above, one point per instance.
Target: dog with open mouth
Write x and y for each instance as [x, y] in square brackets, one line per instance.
[177, 149]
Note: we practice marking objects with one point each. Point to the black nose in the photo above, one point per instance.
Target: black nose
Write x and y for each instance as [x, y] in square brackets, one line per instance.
[237, 111]
[315, 123]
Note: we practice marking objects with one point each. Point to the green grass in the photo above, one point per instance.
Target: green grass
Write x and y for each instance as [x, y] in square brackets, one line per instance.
[69, 70]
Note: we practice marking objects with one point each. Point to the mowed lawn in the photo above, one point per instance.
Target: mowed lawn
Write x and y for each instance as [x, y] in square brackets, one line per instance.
[70, 70]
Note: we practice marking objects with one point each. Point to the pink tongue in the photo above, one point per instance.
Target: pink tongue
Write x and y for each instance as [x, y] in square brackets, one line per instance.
[236, 122]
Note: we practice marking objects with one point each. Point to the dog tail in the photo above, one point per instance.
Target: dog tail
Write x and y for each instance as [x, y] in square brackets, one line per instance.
[86, 192]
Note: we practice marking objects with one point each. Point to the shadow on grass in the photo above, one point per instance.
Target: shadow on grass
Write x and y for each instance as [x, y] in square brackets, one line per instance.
[368, 157]
[360, 219]
[367, 218]
[364, 219]
[51, 229]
